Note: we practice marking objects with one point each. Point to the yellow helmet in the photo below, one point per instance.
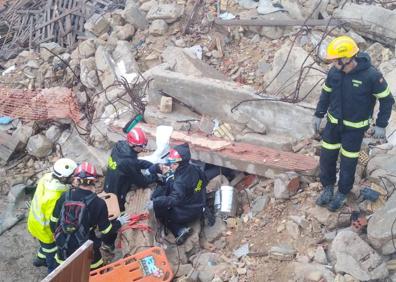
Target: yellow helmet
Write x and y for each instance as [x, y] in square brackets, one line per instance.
[341, 47]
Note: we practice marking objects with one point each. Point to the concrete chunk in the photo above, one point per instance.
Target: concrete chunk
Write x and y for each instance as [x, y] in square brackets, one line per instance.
[134, 16]
[8, 145]
[166, 104]
[167, 12]
[39, 146]
[379, 229]
[354, 256]
[368, 20]
[97, 24]
[241, 156]
[216, 98]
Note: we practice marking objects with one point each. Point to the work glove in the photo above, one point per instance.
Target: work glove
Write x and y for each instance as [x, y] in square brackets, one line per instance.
[149, 205]
[123, 219]
[154, 169]
[316, 121]
[379, 132]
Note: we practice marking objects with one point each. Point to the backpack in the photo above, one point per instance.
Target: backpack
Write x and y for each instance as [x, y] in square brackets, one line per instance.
[72, 224]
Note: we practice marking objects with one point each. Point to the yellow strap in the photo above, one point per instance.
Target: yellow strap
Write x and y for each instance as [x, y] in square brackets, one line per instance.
[326, 88]
[39, 219]
[331, 146]
[352, 155]
[383, 94]
[111, 164]
[54, 219]
[41, 255]
[58, 260]
[107, 230]
[358, 124]
[331, 118]
[97, 264]
[52, 250]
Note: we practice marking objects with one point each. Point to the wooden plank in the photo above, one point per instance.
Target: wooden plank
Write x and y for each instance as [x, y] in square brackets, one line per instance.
[8, 145]
[192, 16]
[58, 18]
[262, 22]
[76, 268]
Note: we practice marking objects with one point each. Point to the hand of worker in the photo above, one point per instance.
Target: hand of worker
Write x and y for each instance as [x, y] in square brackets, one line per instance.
[149, 205]
[123, 219]
[164, 169]
[379, 132]
[316, 121]
[155, 168]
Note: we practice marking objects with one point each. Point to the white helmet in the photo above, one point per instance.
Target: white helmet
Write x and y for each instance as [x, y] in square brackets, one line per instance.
[64, 167]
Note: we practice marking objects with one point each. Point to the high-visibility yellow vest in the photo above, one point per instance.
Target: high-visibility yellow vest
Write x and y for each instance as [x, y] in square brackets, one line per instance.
[48, 191]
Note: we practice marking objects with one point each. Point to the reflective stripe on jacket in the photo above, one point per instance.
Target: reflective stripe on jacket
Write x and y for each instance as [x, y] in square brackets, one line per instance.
[349, 98]
[48, 191]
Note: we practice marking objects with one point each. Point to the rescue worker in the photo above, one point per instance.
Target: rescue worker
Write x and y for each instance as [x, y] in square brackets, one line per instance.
[96, 217]
[49, 189]
[124, 167]
[348, 97]
[183, 201]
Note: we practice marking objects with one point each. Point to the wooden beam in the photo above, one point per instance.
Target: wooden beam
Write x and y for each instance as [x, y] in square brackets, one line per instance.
[76, 268]
[58, 18]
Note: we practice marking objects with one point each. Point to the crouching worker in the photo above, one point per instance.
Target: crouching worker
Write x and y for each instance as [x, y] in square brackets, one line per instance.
[183, 199]
[49, 189]
[124, 171]
[124, 167]
[78, 213]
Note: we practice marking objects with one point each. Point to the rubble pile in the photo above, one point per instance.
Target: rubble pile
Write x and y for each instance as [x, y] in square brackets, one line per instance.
[252, 81]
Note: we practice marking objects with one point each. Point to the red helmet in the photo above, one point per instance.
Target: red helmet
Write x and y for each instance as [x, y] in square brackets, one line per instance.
[85, 171]
[137, 137]
[173, 157]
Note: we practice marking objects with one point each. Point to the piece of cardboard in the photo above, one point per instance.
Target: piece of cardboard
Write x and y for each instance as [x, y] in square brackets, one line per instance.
[111, 203]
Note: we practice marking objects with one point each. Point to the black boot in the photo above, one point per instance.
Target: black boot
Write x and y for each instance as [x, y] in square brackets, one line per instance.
[325, 197]
[38, 262]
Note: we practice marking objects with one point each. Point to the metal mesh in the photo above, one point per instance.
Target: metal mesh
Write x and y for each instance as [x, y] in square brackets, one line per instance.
[46, 104]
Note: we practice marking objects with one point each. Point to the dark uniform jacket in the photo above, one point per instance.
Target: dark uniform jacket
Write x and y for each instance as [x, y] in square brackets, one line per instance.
[124, 169]
[186, 196]
[349, 98]
[97, 214]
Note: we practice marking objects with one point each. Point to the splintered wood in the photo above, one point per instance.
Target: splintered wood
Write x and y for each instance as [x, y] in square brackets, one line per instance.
[32, 22]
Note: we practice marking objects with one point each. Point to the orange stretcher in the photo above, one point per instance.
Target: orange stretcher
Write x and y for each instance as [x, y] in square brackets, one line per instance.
[150, 265]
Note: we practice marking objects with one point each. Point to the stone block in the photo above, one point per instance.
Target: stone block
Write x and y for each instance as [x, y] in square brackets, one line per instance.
[166, 104]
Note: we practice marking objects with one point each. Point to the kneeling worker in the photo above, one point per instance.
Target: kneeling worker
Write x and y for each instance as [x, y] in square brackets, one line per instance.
[184, 201]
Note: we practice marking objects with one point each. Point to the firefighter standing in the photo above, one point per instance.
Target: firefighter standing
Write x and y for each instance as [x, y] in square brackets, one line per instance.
[348, 97]
[49, 189]
[95, 216]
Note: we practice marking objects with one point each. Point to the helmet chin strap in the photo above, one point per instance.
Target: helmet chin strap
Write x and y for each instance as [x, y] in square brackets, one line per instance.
[343, 65]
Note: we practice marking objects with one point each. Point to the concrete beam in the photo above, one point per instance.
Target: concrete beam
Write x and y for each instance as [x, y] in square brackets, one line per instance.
[249, 158]
[216, 98]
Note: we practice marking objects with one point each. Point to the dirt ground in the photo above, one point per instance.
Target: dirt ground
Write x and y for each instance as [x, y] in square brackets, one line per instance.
[265, 231]
[17, 250]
